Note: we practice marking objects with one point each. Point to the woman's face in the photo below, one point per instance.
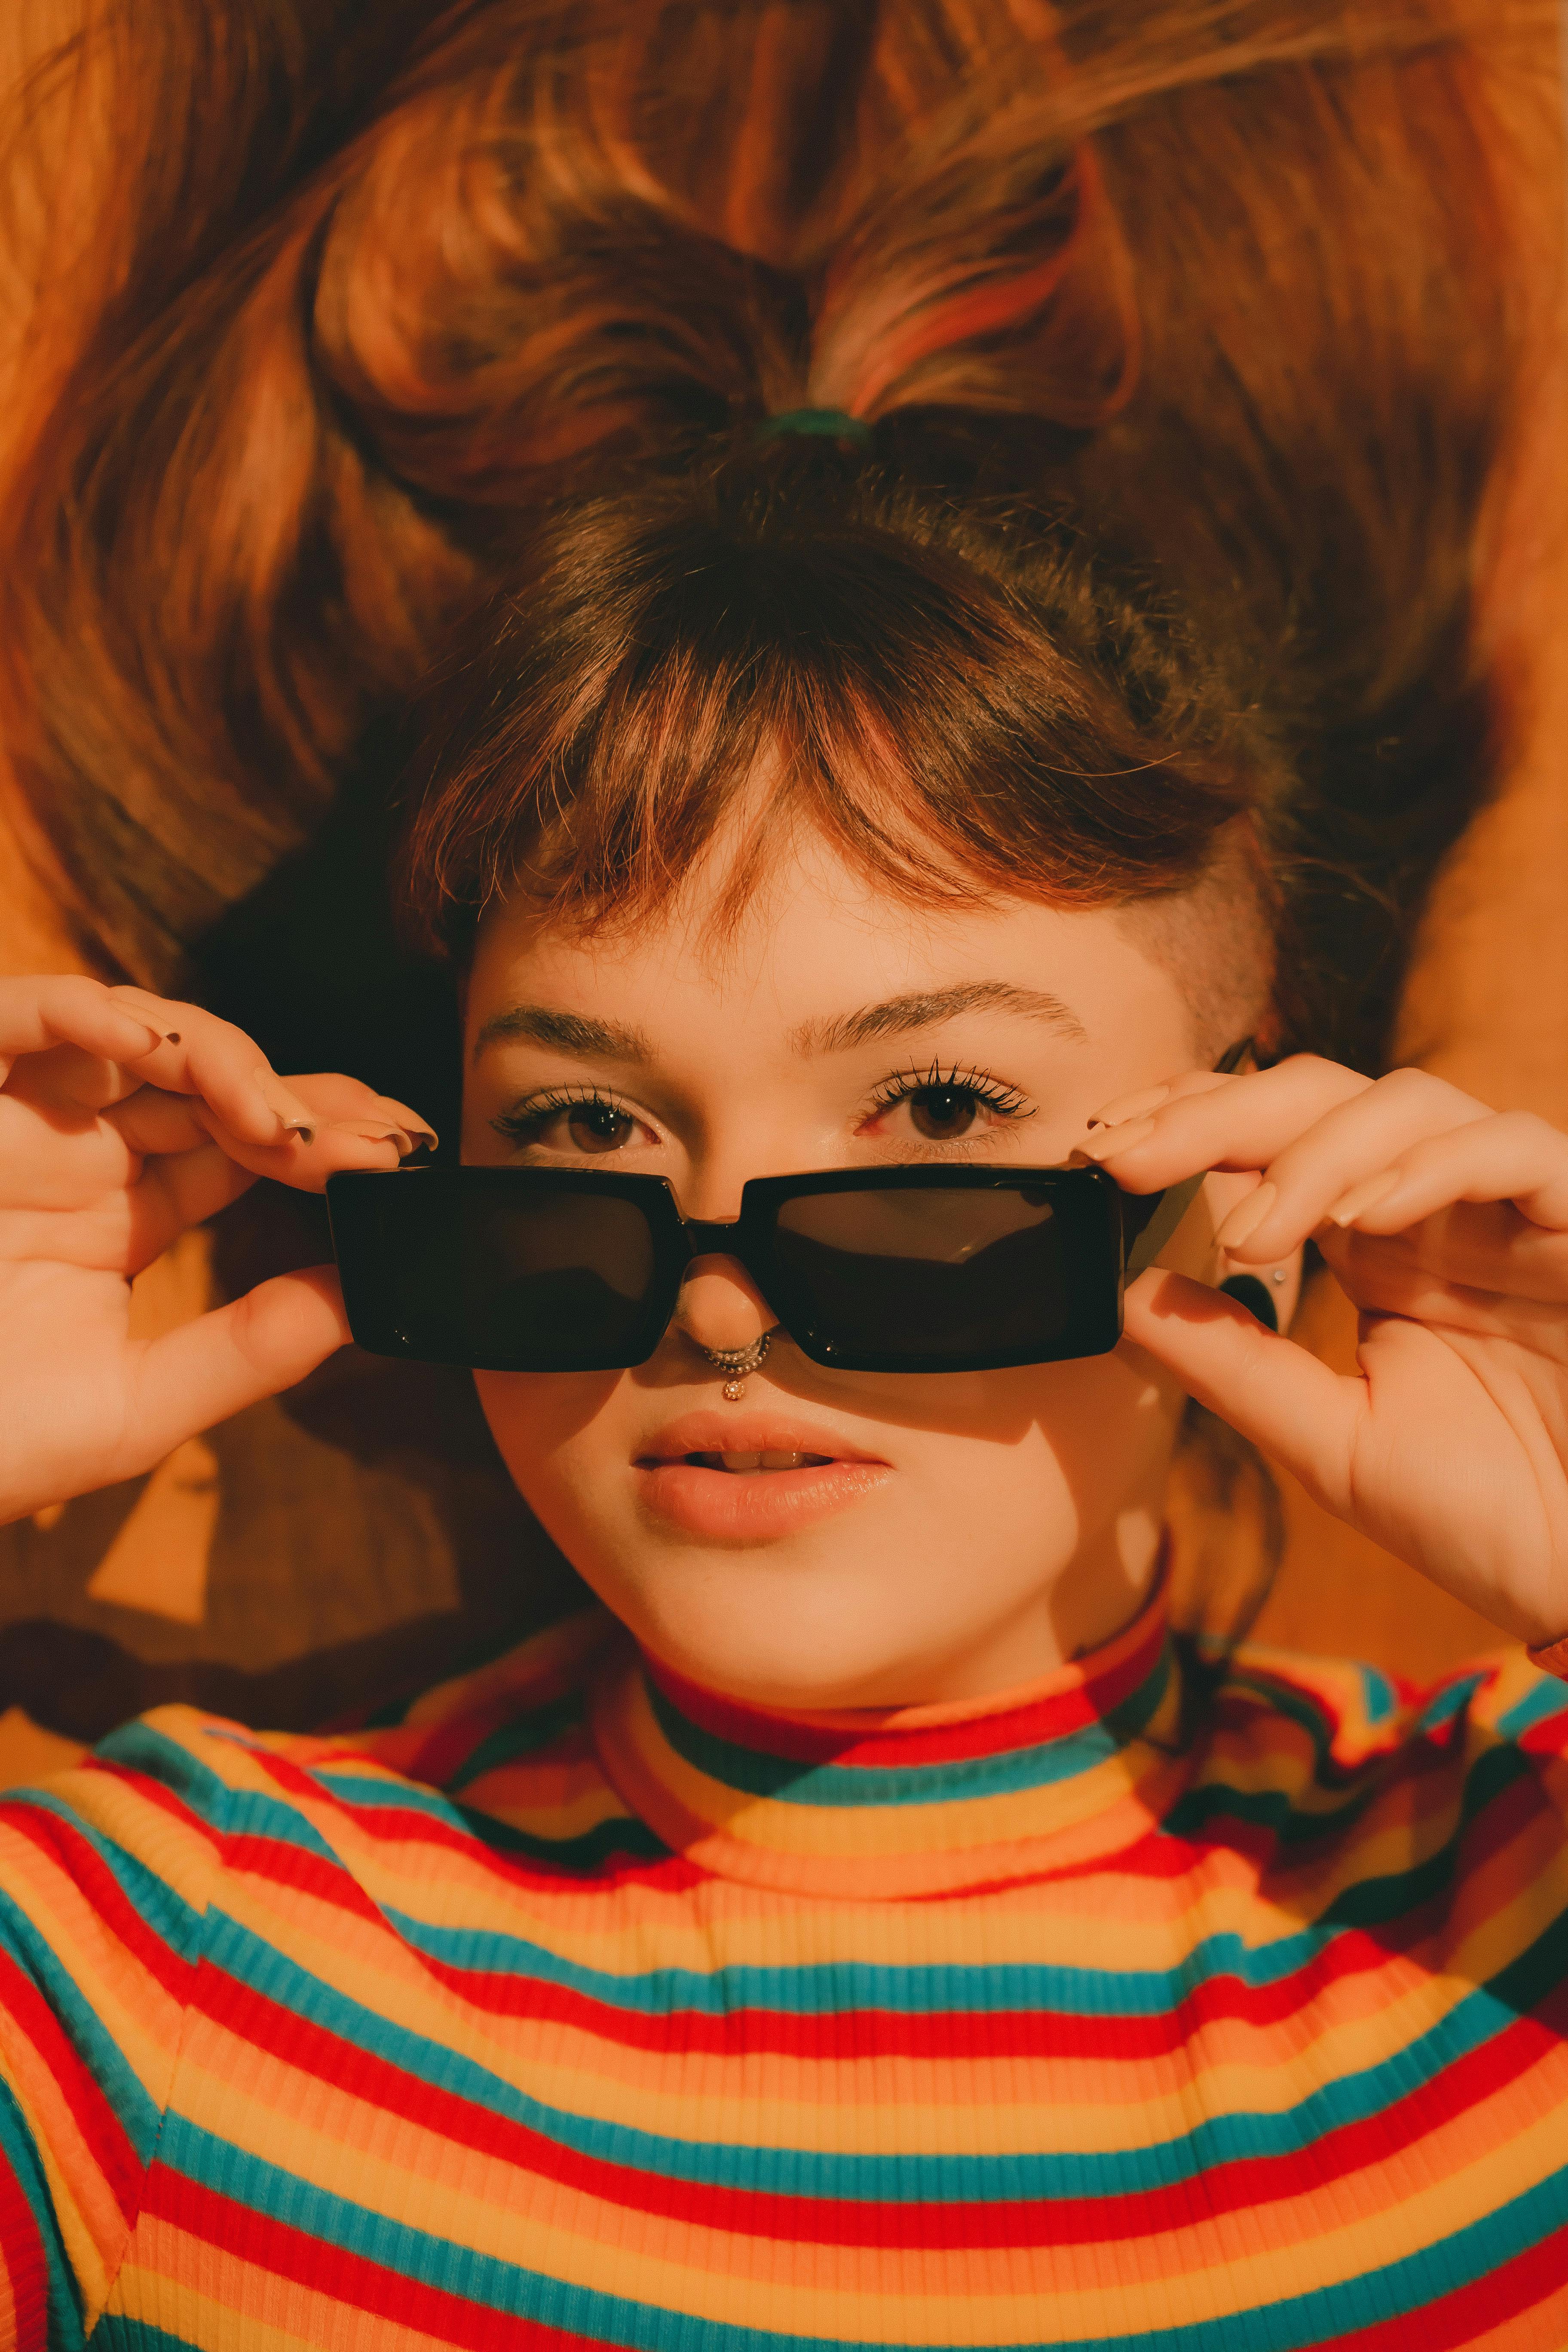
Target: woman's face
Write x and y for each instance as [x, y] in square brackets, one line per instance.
[968, 1530]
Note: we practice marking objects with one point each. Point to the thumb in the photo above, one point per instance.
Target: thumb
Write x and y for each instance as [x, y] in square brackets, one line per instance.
[201, 1372]
[1273, 1392]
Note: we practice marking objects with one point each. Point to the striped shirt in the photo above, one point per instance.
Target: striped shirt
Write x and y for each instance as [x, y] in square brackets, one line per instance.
[583, 2008]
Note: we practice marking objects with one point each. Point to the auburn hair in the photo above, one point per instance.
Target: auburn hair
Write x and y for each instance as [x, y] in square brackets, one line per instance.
[878, 635]
[336, 305]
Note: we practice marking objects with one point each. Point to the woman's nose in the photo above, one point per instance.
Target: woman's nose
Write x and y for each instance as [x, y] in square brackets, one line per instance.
[721, 1306]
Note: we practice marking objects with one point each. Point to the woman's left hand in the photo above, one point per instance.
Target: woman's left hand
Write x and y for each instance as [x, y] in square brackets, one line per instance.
[1446, 1224]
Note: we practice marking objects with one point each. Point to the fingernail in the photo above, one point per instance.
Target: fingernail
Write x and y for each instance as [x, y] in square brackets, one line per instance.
[407, 1122]
[1128, 1107]
[367, 1130]
[1124, 1137]
[1361, 1197]
[293, 1116]
[154, 1036]
[1245, 1217]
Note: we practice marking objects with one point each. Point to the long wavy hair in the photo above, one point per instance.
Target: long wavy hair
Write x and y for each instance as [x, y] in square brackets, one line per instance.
[332, 302]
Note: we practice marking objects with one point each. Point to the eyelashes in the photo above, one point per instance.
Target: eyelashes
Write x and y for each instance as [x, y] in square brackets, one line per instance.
[525, 1122]
[526, 1125]
[1004, 1100]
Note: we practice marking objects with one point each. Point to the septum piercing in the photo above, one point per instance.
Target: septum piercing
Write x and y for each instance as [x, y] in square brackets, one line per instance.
[736, 1362]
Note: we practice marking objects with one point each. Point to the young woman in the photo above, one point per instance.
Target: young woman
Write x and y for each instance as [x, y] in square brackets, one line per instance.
[877, 1924]
[303, 308]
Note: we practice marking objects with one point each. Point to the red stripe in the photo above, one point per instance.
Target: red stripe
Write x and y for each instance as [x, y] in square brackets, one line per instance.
[395, 1824]
[242, 2234]
[26, 2009]
[882, 1743]
[1244, 2185]
[72, 1852]
[25, 2265]
[282, 2251]
[956, 2034]
[1531, 2278]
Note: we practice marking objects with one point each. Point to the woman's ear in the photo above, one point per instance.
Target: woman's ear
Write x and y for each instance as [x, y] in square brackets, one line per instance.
[1272, 1293]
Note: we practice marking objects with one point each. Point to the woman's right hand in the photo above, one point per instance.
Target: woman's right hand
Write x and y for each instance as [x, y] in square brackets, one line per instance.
[125, 1118]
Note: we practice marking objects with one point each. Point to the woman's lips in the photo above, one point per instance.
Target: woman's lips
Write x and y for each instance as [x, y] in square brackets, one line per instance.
[747, 1476]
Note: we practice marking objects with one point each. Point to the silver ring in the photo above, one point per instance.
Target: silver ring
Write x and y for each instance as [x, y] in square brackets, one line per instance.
[736, 1362]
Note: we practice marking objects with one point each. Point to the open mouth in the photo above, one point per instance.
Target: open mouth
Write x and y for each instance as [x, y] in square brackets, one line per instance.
[743, 1464]
[728, 1478]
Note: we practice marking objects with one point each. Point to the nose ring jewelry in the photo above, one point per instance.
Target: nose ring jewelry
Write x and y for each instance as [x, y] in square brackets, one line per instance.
[736, 1362]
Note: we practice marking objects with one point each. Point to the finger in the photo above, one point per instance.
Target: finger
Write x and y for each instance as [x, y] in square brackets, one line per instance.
[1411, 1274]
[305, 1163]
[1235, 1124]
[1502, 1156]
[347, 1102]
[198, 1054]
[1346, 1153]
[204, 1372]
[151, 1121]
[69, 1078]
[68, 1009]
[1123, 1108]
[176, 1191]
[1266, 1386]
[1485, 1247]
[1314, 1138]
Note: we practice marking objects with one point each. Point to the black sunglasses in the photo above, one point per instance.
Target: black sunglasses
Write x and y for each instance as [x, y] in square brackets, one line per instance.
[909, 1269]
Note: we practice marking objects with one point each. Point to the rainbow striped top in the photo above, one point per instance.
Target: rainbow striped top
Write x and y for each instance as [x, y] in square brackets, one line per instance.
[583, 2007]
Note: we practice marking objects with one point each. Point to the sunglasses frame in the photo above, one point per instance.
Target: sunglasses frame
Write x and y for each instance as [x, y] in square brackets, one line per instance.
[1110, 1236]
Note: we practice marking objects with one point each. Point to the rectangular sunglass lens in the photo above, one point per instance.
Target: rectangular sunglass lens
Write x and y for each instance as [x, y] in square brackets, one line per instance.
[464, 1267]
[915, 1274]
[557, 1280]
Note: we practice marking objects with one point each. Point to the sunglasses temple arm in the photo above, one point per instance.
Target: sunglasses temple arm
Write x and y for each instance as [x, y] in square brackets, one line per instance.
[1172, 1205]
[1170, 1208]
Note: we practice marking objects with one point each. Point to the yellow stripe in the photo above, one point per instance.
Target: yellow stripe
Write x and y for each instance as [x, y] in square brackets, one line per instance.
[919, 2295]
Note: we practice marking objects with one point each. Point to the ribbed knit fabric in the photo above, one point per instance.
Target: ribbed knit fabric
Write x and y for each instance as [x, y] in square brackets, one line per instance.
[583, 2008]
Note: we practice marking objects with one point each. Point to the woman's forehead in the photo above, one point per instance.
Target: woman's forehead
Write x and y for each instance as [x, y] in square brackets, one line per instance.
[821, 959]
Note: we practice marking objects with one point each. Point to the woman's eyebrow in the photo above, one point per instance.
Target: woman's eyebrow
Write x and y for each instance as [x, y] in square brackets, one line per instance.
[569, 1033]
[925, 1007]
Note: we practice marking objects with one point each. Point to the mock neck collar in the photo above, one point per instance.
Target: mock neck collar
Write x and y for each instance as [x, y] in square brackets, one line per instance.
[878, 1803]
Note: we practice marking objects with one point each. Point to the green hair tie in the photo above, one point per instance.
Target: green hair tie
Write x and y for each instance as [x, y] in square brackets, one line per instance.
[831, 423]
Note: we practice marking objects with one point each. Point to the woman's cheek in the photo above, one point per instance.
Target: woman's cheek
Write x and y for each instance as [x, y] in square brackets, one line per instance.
[536, 1417]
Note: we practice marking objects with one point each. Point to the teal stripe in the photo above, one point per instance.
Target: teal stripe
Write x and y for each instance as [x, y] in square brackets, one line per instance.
[1009, 1773]
[1548, 1699]
[1193, 1815]
[1313, 2320]
[164, 1913]
[19, 2156]
[905, 2180]
[1379, 1697]
[1448, 1701]
[523, 1736]
[99, 2053]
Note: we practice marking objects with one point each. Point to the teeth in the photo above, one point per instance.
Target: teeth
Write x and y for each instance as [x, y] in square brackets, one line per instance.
[745, 1462]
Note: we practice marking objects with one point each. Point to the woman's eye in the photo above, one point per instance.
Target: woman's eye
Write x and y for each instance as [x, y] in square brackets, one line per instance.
[589, 1126]
[958, 1108]
[943, 1114]
[597, 1127]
